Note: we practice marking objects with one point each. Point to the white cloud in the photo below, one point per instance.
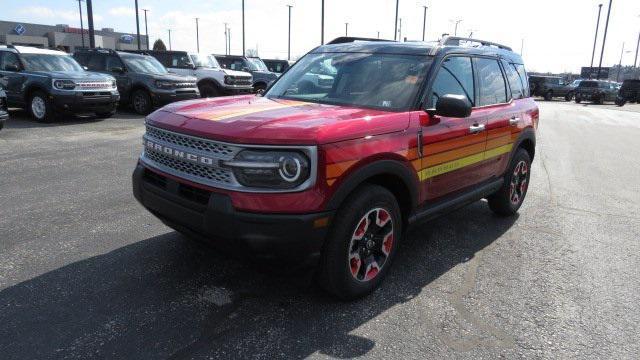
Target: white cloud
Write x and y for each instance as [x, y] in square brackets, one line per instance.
[45, 13]
[122, 11]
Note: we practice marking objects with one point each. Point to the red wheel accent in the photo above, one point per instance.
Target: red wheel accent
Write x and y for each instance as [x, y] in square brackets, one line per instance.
[371, 244]
[518, 186]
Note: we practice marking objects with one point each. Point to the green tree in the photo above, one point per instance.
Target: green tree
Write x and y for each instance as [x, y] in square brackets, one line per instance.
[159, 45]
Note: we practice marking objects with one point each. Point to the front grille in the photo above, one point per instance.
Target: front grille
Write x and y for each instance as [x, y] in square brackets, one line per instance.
[216, 175]
[184, 85]
[213, 147]
[93, 85]
[244, 80]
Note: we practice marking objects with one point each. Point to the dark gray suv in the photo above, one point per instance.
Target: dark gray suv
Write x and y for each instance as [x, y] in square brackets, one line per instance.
[143, 82]
[549, 87]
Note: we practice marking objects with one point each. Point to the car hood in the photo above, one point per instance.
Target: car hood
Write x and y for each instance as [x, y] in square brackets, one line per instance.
[74, 75]
[259, 120]
[171, 77]
[236, 73]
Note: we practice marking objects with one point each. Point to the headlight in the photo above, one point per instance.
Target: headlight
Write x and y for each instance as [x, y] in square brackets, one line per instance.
[114, 84]
[270, 169]
[64, 84]
[229, 80]
[164, 84]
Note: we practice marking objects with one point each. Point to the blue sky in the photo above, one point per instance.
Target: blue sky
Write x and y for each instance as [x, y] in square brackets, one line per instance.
[558, 34]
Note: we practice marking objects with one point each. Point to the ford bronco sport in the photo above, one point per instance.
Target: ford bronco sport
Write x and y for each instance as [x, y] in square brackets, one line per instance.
[49, 82]
[212, 79]
[596, 91]
[406, 132]
[142, 81]
[262, 77]
[549, 87]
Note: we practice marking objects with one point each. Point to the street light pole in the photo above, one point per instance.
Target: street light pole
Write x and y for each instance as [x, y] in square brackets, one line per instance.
[226, 39]
[400, 31]
[138, 25]
[81, 25]
[424, 21]
[322, 25]
[604, 39]
[346, 29]
[637, 47]
[595, 38]
[289, 38]
[92, 39]
[455, 30]
[146, 28]
[620, 63]
[169, 30]
[395, 28]
[197, 37]
[243, 49]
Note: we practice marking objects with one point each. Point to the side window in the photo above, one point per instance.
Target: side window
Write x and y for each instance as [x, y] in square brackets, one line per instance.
[9, 58]
[96, 62]
[113, 62]
[180, 61]
[455, 77]
[517, 90]
[523, 77]
[492, 85]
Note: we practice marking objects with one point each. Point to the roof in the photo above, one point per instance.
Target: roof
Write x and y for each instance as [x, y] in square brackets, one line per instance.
[33, 50]
[447, 45]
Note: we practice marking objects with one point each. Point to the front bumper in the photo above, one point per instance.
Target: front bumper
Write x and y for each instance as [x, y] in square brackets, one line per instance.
[4, 116]
[164, 97]
[211, 217]
[232, 90]
[79, 102]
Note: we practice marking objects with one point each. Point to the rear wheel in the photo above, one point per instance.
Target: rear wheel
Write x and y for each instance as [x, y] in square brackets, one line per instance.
[141, 102]
[41, 108]
[578, 100]
[509, 198]
[361, 244]
[620, 101]
[548, 96]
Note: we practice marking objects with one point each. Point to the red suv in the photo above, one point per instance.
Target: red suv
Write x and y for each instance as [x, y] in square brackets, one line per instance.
[335, 171]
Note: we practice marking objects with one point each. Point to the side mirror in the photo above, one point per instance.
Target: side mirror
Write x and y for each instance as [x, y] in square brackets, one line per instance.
[85, 68]
[245, 69]
[118, 70]
[12, 67]
[456, 106]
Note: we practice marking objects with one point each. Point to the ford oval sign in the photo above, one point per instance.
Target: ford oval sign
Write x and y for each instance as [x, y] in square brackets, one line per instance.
[127, 39]
[19, 29]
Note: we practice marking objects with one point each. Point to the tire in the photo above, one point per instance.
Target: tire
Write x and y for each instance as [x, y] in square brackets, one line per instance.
[209, 90]
[41, 108]
[259, 88]
[1, 125]
[508, 199]
[349, 266]
[548, 96]
[105, 115]
[620, 102]
[578, 100]
[568, 97]
[600, 100]
[141, 102]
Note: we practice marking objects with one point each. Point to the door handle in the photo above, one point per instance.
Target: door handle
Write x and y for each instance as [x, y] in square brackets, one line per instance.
[474, 129]
[514, 121]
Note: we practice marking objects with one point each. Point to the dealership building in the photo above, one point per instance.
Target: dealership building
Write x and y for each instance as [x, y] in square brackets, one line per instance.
[65, 37]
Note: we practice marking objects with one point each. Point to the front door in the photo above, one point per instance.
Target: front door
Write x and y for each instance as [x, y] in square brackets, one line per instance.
[11, 80]
[452, 148]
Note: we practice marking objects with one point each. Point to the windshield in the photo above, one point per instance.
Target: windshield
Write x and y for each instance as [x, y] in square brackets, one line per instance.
[205, 61]
[143, 64]
[389, 82]
[588, 84]
[576, 82]
[259, 64]
[50, 62]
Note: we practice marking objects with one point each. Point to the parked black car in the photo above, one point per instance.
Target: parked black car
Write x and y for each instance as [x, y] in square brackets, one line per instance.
[597, 91]
[629, 92]
[549, 87]
[277, 66]
[262, 77]
[4, 113]
[142, 81]
[49, 82]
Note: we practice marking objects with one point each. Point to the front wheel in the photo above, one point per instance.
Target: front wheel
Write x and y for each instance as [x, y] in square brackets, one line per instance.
[568, 97]
[578, 100]
[548, 96]
[209, 90]
[141, 102]
[620, 101]
[509, 198]
[259, 88]
[361, 244]
[41, 108]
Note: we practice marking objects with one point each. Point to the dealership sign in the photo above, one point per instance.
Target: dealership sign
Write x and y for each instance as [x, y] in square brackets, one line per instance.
[127, 39]
[19, 29]
[592, 73]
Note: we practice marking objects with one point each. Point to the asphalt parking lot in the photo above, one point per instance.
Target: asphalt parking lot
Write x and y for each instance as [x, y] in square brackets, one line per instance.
[85, 272]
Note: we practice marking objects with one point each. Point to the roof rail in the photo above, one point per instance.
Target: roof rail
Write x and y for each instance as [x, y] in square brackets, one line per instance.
[11, 46]
[455, 41]
[349, 39]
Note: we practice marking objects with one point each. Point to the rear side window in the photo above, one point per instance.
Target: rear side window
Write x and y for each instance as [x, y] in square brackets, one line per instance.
[523, 77]
[180, 60]
[515, 84]
[113, 62]
[455, 77]
[8, 58]
[96, 62]
[492, 84]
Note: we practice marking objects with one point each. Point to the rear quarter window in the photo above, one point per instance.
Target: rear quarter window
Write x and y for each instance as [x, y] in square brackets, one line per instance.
[515, 83]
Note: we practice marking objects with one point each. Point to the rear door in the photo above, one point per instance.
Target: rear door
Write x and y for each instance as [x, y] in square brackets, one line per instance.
[452, 148]
[12, 81]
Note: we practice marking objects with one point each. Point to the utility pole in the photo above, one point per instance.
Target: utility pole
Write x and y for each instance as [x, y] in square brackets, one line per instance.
[92, 39]
[322, 25]
[226, 39]
[620, 63]
[521, 47]
[197, 37]
[595, 38]
[395, 28]
[604, 39]
[346, 29]
[146, 29]
[81, 25]
[455, 31]
[400, 31]
[138, 25]
[169, 30]
[637, 47]
[229, 34]
[424, 22]
[243, 49]
[378, 34]
[289, 40]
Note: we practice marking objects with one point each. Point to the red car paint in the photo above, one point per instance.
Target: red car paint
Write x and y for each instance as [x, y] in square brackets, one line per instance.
[349, 138]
